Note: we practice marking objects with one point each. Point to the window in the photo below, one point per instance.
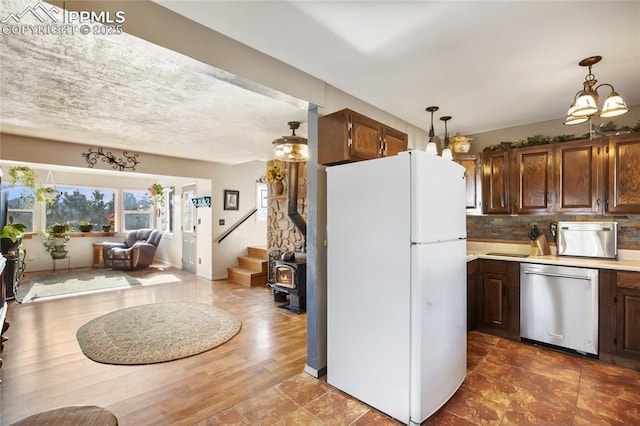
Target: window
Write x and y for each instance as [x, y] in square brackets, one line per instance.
[78, 204]
[20, 206]
[137, 210]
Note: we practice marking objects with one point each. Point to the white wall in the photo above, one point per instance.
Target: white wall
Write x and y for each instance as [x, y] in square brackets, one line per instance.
[210, 178]
[252, 232]
[548, 128]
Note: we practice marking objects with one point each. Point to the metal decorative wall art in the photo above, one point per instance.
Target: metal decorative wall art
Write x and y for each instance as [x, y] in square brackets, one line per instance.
[126, 162]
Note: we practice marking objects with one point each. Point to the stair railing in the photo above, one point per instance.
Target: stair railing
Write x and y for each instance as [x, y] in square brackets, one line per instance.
[243, 219]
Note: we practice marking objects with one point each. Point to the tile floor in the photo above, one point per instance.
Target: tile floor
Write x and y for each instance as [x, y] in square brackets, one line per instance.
[508, 383]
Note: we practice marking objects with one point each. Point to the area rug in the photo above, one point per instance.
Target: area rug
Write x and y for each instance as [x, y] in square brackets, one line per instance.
[66, 283]
[158, 332]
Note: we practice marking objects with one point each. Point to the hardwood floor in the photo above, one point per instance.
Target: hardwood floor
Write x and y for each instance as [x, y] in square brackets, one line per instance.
[257, 378]
[44, 367]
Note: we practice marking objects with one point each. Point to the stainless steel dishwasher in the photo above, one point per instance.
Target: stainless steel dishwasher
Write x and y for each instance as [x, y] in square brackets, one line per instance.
[559, 306]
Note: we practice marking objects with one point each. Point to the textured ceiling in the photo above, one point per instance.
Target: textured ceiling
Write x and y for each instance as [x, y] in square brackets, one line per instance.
[489, 65]
[123, 92]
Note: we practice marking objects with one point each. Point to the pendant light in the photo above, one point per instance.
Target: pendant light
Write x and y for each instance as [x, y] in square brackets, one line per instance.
[446, 149]
[431, 145]
[291, 148]
[585, 102]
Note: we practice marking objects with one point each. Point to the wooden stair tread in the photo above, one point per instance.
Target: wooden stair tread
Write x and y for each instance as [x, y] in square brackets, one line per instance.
[251, 269]
[241, 270]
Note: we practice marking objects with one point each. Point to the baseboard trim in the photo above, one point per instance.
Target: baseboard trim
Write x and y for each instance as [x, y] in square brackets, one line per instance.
[315, 372]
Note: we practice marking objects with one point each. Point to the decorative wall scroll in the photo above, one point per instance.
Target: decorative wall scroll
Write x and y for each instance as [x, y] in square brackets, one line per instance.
[126, 162]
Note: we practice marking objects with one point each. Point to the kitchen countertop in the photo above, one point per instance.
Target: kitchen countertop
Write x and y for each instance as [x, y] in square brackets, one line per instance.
[628, 260]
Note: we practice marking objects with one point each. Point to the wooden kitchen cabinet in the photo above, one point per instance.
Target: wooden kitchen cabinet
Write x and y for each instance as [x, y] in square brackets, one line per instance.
[473, 180]
[495, 182]
[579, 174]
[623, 186]
[619, 318]
[473, 285]
[565, 177]
[500, 298]
[627, 302]
[532, 177]
[347, 136]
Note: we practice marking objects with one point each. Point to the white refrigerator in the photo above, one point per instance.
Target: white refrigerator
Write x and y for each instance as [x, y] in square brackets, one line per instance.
[396, 282]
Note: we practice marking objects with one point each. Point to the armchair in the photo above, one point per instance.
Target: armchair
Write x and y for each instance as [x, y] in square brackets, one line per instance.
[136, 252]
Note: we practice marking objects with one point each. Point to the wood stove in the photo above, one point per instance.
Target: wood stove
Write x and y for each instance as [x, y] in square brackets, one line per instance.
[291, 278]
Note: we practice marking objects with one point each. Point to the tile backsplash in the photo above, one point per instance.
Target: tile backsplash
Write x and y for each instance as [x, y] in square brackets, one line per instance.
[508, 228]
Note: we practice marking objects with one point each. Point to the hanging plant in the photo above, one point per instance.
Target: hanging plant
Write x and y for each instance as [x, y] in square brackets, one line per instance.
[22, 175]
[47, 194]
[157, 194]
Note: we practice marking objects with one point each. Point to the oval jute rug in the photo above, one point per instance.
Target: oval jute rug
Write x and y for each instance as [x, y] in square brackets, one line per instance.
[157, 332]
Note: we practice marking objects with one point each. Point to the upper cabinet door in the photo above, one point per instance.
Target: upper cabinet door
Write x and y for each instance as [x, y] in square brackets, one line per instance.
[578, 177]
[473, 180]
[393, 141]
[532, 179]
[366, 137]
[346, 136]
[623, 189]
[495, 182]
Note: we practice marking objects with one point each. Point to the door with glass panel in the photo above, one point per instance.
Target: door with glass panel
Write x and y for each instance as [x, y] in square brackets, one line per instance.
[188, 229]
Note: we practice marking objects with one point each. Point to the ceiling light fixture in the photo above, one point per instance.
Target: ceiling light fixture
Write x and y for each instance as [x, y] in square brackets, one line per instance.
[291, 148]
[446, 149]
[431, 145]
[585, 102]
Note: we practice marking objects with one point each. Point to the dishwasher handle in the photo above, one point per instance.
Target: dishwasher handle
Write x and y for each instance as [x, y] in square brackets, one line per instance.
[552, 274]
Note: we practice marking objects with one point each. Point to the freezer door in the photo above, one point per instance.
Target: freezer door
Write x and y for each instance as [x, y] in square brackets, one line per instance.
[438, 199]
[438, 325]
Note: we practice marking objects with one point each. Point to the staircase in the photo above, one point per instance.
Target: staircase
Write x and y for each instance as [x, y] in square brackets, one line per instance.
[252, 268]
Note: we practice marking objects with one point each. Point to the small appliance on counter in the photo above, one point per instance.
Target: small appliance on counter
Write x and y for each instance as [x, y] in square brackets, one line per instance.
[587, 239]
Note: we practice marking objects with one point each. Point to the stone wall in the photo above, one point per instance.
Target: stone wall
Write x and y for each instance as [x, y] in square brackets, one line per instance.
[507, 228]
[282, 234]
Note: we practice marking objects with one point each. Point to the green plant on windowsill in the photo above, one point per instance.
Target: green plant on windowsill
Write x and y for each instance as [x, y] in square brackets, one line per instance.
[86, 226]
[56, 239]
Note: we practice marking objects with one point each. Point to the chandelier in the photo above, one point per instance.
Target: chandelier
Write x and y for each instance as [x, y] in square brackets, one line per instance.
[291, 148]
[585, 102]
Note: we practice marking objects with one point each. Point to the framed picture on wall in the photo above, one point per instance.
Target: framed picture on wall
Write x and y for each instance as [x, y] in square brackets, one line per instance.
[231, 199]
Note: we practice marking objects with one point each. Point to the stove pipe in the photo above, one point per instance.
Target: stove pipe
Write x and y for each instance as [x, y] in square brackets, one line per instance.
[292, 198]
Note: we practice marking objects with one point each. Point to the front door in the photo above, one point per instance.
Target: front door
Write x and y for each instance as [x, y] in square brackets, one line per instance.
[188, 229]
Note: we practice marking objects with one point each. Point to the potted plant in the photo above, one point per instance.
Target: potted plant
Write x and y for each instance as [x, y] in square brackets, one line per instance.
[56, 239]
[47, 194]
[22, 175]
[11, 236]
[85, 226]
[111, 220]
[275, 175]
[157, 194]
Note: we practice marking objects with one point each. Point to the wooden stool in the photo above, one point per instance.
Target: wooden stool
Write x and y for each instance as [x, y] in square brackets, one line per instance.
[85, 415]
